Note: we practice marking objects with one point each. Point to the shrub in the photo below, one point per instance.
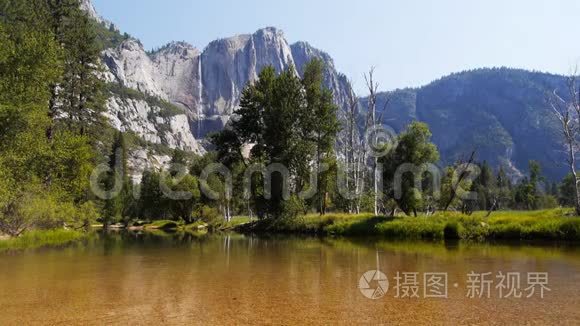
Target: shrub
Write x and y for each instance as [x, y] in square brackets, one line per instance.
[570, 230]
[473, 228]
[163, 225]
[34, 209]
[293, 207]
[547, 202]
[208, 215]
[412, 228]
[451, 231]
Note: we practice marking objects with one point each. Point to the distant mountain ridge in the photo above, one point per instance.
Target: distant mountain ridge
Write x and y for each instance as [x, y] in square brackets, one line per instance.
[501, 112]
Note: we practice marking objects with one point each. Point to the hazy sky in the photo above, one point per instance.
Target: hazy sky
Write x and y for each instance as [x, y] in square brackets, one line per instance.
[411, 42]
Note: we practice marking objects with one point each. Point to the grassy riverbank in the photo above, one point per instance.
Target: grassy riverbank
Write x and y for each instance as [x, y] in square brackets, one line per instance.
[509, 225]
[38, 239]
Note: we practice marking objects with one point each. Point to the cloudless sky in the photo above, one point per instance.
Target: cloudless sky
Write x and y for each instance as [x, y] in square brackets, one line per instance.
[411, 42]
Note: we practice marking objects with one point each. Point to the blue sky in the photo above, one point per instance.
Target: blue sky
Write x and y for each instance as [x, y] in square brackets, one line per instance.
[411, 42]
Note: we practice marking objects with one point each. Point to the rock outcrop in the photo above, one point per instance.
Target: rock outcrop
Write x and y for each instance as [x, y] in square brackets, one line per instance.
[208, 85]
[87, 6]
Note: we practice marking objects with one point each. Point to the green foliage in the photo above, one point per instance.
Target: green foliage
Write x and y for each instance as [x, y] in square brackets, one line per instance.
[47, 212]
[415, 149]
[38, 239]
[78, 99]
[485, 187]
[71, 164]
[173, 194]
[152, 201]
[504, 190]
[108, 37]
[527, 193]
[166, 109]
[207, 214]
[567, 191]
[293, 207]
[119, 207]
[321, 127]
[133, 141]
[53, 134]
[451, 231]
[48, 66]
[289, 121]
[183, 208]
[163, 225]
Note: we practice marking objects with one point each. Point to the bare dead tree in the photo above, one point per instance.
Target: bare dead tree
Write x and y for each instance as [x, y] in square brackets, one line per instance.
[373, 88]
[353, 151]
[568, 113]
[493, 207]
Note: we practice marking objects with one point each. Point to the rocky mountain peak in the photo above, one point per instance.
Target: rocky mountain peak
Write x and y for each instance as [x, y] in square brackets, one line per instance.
[270, 32]
[303, 52]
[88, 7]
[131, 44]
[180, 48]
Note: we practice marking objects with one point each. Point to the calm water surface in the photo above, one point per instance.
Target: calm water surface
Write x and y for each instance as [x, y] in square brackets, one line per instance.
[225, 280]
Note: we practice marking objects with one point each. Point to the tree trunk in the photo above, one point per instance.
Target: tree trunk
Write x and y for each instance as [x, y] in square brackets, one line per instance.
[492, 208]
[572, 167]
[376, 187]
[576, 187]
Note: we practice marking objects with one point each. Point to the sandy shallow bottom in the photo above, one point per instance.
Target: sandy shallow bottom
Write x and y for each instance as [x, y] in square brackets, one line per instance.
[237, 280]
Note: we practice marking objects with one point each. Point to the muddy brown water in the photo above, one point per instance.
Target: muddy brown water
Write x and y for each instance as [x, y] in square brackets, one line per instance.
[180, 279]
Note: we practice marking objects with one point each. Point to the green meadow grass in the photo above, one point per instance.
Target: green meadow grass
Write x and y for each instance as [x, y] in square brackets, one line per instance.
[38, 239]
[553, 224]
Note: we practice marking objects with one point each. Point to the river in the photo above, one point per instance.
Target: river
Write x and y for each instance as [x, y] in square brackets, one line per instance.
[132, 278]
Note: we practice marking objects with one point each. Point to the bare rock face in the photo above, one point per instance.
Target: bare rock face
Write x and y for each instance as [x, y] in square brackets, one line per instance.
[303, 52]
[143, 159]
[87, 6]
[208, 85]
[171, 73]
[144, 120]
[131, 66]
[228, 65]
[176, 72]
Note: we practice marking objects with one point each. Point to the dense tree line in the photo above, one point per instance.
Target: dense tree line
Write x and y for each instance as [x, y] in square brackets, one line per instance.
[50, 107]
